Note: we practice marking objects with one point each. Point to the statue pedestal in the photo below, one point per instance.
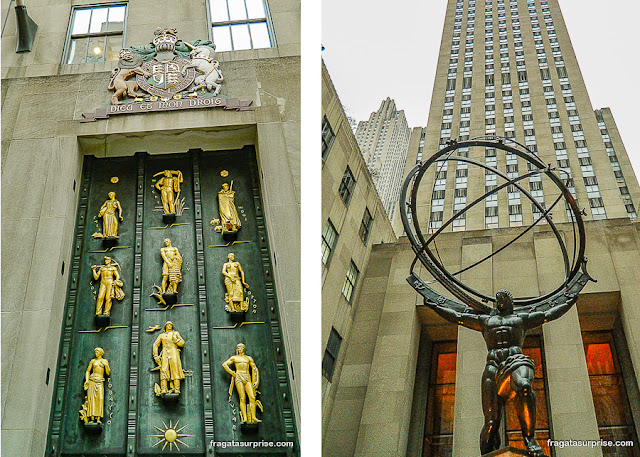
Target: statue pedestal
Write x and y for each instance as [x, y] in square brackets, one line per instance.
[507, 452]
[94, 428]
[237, 316]
[102, 320]
[229, 235]
[172, 397]
[170, 299]
[168, 218]
[249, 427]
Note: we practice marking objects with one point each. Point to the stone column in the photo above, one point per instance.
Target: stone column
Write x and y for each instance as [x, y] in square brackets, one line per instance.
[472, 354]
[571, 403]
[384, 426]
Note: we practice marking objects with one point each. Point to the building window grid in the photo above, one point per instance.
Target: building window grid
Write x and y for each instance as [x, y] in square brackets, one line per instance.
[350, 282]
[331, 354]
[240, 25]
[365, 226]
[346, 186]
[328, 136]
[99, 30]
[329, 240]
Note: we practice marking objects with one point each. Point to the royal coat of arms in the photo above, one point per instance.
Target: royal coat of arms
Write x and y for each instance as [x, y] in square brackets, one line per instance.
[164, 68]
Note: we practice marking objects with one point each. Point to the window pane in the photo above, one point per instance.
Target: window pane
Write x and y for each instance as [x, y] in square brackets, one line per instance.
[240, 35]
[96, 49]
[81, 21]
[78, 50]
[222, 38]
[116, 18]
[255, 9]
[219, 11]
[446, 371]
[98, 20]
[237, 11]
[114, 44]
[260, 35]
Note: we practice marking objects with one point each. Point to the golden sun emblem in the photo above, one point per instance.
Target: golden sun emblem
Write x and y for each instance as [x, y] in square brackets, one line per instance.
[224, 173]
[170, 435]
[115, 179]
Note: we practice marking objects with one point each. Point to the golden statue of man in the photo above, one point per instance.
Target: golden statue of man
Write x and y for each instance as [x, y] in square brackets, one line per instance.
[246, 383]
[93, 408]
[168, 360]
[229, 219]
[235, 283]
[110, 286]
[171, 268]
[169, 187]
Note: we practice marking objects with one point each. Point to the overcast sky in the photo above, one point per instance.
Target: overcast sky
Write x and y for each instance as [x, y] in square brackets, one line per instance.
[376, 49]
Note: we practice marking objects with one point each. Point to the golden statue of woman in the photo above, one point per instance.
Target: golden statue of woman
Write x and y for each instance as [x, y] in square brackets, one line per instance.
[235, 283]
[109, 219]
[110, 286]
[246, 379]
[169, 187]
[168, 360]
[229, 219]
[93, 407]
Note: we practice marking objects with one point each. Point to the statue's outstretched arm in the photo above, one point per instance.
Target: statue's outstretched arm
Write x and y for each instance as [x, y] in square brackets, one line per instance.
[469, 320]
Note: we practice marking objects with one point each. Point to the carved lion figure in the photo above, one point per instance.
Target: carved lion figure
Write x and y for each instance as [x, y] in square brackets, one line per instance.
[129, 65]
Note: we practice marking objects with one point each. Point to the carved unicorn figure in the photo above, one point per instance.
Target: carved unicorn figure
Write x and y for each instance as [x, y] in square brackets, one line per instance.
[202, 61]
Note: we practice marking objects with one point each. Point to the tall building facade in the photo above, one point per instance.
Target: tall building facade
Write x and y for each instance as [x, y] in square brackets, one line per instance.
[384, 142]
[130, 99]
[410, 384]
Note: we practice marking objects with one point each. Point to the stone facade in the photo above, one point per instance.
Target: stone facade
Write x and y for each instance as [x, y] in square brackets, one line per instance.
[43, 145]
[337, 312]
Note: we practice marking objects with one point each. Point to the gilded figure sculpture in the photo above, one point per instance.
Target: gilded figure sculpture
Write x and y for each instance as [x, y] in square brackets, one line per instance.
[235, 283]
[93, 408]
[246, 379]
[229, 222]
[171, 273]
[110, 286]
[168, 360]
[169, 187]
[109, 218]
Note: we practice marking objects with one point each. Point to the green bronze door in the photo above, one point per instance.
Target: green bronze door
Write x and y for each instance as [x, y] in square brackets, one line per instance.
[171, 341]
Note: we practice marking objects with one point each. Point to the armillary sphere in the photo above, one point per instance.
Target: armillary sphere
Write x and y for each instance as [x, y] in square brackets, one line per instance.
[575, 275]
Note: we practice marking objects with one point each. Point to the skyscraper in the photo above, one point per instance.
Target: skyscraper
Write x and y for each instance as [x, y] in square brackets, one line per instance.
[508, 69]
[409, 382]
[384, 141]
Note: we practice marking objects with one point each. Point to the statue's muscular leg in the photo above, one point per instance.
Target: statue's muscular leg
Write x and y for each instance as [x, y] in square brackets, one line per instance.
[521, 383]
[492, 407]
[243, 402]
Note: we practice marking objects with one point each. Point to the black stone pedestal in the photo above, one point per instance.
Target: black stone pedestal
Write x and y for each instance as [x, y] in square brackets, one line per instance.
[229, 235]
[237, 316]
[508, 452]
[102, 320]
[249, 427]
[172, 397]
[170, 299]
[168, 218]
[109, 241]
[95, 428]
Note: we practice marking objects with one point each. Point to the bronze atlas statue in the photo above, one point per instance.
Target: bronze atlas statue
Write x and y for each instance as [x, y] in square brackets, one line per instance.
[508, 371]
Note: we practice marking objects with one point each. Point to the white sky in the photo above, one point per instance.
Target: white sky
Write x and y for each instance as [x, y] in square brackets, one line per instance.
[375, 49]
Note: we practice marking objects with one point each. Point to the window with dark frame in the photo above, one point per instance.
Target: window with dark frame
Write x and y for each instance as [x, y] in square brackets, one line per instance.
[346, 186]
[610, 399]
[438, 433]
[96, 33]
[327, 138]
[350, 282]
[365, 226]
[329, 240]
[240, 24]
[331, 354]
